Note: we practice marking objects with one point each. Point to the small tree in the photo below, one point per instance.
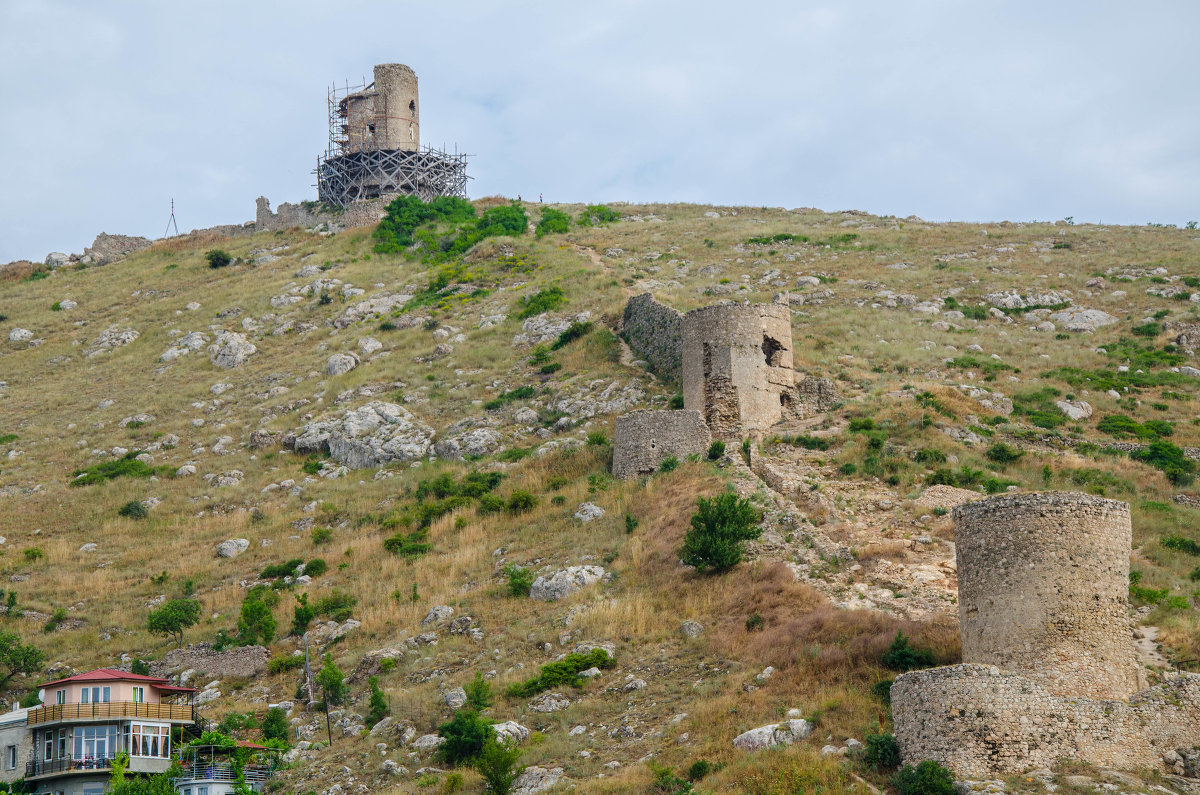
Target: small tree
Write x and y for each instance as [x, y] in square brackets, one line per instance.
[173, 618]
[497, 763]
[479, 692]
[257, 621]
[520, 580]
[302, 615]
[464, 736]
[140, 668]
[275, 725]
[903, 656]
[332, 682]
[378, 708]
[719, 527]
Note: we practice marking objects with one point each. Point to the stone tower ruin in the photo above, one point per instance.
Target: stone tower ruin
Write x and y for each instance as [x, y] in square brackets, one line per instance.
[737, 366]
[1048, 667]
[1044, 590]
[375, 144]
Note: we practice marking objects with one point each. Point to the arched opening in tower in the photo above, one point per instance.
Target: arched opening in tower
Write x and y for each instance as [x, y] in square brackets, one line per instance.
[771, 349]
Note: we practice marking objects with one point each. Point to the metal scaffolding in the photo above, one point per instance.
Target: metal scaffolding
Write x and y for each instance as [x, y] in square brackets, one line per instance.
[345, 175]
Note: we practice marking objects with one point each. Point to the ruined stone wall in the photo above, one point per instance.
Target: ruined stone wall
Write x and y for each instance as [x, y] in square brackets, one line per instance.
[108, 248]
[643, 439]
[654, 332]
[737, 366]
[982, 722]
[309, 214]
[816, 394]
[241, 662]
[1043, 587]
[397, 119]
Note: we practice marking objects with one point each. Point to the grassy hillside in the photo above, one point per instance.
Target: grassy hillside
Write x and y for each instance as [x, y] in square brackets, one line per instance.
[920, 407]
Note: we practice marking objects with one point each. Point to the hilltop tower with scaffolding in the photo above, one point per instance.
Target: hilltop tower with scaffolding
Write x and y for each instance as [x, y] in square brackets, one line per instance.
[375, 144]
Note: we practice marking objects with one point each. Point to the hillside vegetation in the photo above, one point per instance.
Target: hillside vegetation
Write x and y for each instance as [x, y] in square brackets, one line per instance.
[126, 459]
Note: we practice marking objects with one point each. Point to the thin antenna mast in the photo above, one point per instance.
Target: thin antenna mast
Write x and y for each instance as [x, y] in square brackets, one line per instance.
[171, 222]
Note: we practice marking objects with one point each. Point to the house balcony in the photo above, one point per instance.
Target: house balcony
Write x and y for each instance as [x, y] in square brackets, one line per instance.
[108, 710]
[203, 772]
[39, 768]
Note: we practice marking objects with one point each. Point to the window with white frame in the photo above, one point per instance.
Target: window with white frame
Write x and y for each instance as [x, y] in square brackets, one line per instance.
[10, 757]
[139, 695]
[48, 742]
[149, 739]
[95, 742]
[61, 696]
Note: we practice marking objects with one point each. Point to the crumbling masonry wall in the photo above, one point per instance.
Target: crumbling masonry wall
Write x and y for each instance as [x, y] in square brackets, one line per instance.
[1048, 664]
[655, 333]
[642, 440]
[981, 722]
[737, 366]
[1043, 590]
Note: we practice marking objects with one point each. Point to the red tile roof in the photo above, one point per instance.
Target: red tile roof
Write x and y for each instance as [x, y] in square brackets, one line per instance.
[110, 675]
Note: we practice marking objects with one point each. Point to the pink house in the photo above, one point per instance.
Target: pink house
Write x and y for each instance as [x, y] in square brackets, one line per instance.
[87, 719]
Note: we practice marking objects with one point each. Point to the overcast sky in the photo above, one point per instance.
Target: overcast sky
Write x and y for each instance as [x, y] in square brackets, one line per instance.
[940, 108]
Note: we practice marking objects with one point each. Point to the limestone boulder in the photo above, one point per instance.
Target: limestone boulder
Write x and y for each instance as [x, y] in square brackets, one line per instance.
[511, 732]
[230, 350]
[563, 583]
[112, 337]
[477, 442]
[368, 436]
[588, 512]
[773, 734]
[232, 547]
[1082, 320]
[20, 335]
[56, 259]
[1075, 409]
[340, 363]
[534, 779]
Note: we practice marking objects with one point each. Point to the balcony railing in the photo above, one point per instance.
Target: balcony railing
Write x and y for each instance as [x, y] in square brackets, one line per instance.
[220, 771]
[54, 766]
[112, 709]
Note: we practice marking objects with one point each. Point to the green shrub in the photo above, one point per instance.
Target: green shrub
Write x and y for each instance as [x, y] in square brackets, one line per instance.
[497, 764]
[699, 769]
[1195, 575]
[597, 439]
[1121, 425]
[598, 215]
[676, 402]
[521, 501]
[927, 778]
[928, 455]
[718, 528]
[669, 464]
[1162, 455]
[572, 333]
[285, 662]
[666, 782]
[848, 468]
[134, 510]
[479, 693]
[520, 580]
[541, 301]
[1002, 453]
[562, 672]
[520, 393]
[377, 705]
[34, 554]
[302, 615]
[1181, 544]
[316, 567]
[1147, 330]
[883, 690]
[902, 656]
[406, 213]
[464, 737]
[125, 467]
[217, 258]
[490, 504]
[139, 667]
[408, 545]
[548, 369]
[807, 442]
[256, 621]
[755, 622]
[553, 222]
[337, 605]
[859, 424]
[277, 571]
[322, 535]
[631, 523]
[716, 450]
[881, 752]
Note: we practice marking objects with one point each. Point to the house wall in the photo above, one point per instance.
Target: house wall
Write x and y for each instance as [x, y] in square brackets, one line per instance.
[14, 732]
[120, 691]
[642, 440]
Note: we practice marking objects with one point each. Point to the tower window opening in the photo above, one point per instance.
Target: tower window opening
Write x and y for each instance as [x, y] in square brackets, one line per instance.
[412, 106]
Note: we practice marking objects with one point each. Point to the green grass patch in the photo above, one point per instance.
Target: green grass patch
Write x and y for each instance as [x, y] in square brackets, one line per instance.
[541, 301]
[520, 393]
[1122, 425]
[125, 467]
[562, 672]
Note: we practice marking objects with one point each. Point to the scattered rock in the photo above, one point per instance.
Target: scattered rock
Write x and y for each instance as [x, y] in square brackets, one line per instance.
[340, 363]
[588, 511]
[437, 615]
[112, 337]
[534, 779]
[455, 698]
[232, 548]
[1082, 320]
[230, 350]
[550, 702]
[1075, 409]
[691, 629]
[562, 583]
[763, 737]
[368, 436]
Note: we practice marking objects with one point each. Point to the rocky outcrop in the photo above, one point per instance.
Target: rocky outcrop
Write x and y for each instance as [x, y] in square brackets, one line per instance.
[565, 582]
[340, 363]
[230, 350]
[1082, 320]
[479, 442]
[242, 662]
[108, 248]
[368, 436]
[112, 337]
[773, 734]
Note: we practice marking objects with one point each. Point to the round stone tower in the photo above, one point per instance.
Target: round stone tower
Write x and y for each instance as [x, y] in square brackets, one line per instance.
[1043, 587]
[737, 366]
[397, 112]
